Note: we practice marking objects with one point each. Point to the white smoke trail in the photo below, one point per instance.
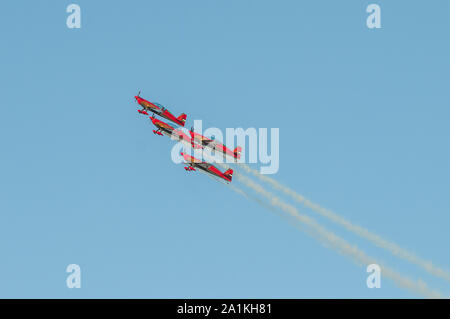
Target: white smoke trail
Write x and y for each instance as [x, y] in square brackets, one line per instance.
[254, 198]
[377, 240]
[265, 204]
[332, 240]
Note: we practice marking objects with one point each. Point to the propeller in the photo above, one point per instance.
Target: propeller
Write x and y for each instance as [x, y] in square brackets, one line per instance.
[137, 95]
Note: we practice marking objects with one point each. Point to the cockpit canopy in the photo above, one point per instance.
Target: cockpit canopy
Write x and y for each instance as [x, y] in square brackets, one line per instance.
[159, 105]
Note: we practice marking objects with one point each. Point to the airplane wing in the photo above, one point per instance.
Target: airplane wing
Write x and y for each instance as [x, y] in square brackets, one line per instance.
[205, 166]
[201, 165]
[206, 141]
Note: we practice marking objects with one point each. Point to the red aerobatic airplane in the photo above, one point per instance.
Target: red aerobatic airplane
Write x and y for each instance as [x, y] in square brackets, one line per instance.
[164, 128]
[206, 167]
[213, 144]
[159, 110]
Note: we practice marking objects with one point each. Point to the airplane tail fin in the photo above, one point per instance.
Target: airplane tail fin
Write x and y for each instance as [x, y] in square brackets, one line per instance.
[182, 118]
[228, 173]
[237, 152]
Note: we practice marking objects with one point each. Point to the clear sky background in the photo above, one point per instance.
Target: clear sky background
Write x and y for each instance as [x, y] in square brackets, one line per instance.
[363, 118]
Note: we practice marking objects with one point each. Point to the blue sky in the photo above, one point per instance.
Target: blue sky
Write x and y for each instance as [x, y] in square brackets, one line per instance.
[363, 118]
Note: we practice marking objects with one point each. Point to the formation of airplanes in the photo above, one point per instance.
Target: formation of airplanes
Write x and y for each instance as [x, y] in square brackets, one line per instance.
[194, 139]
